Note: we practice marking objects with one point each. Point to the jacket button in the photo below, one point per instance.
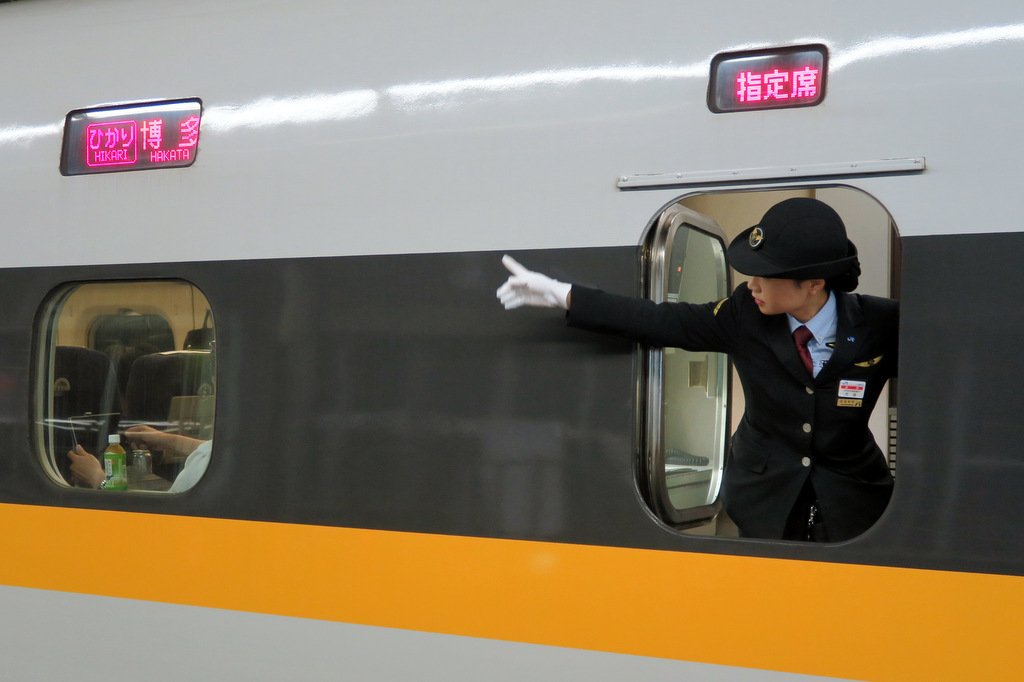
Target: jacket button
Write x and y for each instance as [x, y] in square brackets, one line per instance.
[807, 428]
[810, 390]
[806, 461]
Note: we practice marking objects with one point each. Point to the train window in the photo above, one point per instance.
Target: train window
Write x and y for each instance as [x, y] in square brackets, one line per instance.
[126, 366]
[694, 400]
[687, 391]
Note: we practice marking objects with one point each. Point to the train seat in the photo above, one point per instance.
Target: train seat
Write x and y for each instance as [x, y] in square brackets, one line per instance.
[157, 379]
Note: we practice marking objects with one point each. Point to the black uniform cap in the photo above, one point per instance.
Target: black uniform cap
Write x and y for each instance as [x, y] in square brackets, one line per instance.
[796, 239]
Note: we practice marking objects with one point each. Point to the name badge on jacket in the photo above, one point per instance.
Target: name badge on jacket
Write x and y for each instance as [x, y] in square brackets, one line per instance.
[851, 393]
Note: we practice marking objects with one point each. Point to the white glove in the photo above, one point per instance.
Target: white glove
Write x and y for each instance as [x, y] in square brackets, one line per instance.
[531, 288]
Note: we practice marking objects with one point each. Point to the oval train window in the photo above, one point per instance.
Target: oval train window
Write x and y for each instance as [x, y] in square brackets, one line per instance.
[125, 393]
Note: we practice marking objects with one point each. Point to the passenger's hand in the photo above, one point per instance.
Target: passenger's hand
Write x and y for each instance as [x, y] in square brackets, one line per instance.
[525, 287]
[85, 468]
[146, 437]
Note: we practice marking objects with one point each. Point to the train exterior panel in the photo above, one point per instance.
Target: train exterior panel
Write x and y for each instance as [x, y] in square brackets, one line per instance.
[407, 480]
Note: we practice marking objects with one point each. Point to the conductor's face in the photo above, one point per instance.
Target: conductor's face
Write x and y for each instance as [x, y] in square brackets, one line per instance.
[801, 299]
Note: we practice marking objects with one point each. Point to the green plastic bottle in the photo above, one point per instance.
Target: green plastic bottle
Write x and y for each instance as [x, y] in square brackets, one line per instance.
[115, 464]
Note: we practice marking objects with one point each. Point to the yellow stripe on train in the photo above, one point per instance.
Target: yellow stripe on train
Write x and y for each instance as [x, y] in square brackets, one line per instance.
[849, 621]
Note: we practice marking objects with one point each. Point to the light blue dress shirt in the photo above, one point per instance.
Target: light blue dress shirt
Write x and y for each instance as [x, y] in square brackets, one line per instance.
[823, 327]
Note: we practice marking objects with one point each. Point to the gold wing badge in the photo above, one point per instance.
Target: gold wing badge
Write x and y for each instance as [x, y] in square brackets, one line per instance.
[869, 363]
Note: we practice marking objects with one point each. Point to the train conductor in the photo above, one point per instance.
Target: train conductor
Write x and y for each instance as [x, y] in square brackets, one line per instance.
[812, 359]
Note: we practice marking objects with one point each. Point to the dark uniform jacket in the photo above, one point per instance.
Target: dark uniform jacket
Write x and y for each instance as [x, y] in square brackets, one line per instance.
[795, 426]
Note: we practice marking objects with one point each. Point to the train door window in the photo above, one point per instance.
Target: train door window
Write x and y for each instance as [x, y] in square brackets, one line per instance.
[693, 401]
[131, 364]
[687, 391]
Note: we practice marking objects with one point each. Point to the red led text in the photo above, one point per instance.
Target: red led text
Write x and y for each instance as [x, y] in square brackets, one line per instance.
[165, 155]
[120, 143]
[799, 84]
[189, 132]
[111, 144]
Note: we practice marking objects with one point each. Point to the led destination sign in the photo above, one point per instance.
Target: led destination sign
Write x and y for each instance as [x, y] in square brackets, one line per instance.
[131, 137]
[768, 79]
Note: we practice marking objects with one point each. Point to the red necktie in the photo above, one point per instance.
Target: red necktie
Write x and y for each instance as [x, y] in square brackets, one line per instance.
[801, 335]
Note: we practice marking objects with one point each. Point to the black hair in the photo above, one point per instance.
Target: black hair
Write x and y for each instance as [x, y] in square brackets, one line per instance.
[847, 281]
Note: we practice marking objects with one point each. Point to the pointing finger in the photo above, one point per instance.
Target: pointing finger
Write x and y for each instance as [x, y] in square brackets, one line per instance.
[512, 266]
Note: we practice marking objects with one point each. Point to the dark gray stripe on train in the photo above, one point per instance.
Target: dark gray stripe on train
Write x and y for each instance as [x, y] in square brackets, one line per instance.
[393, 392]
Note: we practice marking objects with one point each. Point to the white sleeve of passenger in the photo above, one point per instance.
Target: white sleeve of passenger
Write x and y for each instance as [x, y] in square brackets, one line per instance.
[195, 467]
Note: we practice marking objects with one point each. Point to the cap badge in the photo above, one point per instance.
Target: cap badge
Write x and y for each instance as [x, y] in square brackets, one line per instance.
[756, 238]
